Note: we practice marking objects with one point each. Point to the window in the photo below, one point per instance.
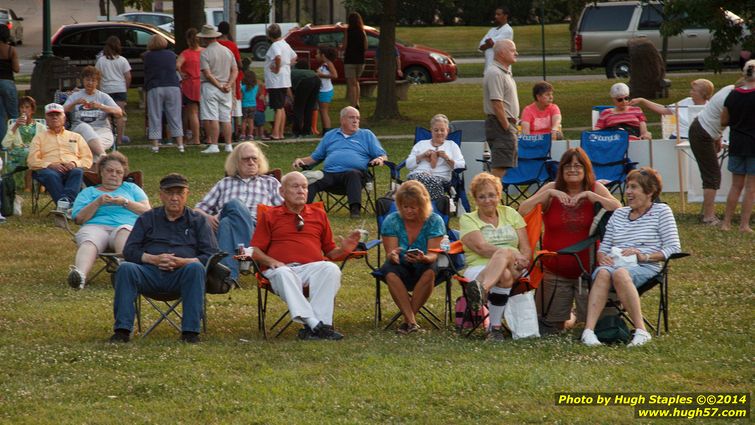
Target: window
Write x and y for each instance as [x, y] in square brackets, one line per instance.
[332, 39]
[372, 41]
[80, 38]
[651, 18]
[217, 17]
[607, 18]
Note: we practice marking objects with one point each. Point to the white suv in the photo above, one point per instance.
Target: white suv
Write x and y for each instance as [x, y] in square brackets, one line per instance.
[605, 28]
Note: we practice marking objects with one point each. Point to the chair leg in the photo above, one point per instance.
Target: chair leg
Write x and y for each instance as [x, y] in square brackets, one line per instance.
[378, 310]
[164, 315]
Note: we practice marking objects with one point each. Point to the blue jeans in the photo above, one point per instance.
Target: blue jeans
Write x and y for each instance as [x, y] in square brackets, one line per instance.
[132, 279]
[8, 104]
[60, 185]
[235, 226]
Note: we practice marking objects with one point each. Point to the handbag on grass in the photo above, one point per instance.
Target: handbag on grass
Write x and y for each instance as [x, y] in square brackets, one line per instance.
[521, 316]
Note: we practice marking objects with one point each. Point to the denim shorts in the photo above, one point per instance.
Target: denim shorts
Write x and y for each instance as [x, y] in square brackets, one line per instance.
[259, 118]
[742, 164]
[640, 273]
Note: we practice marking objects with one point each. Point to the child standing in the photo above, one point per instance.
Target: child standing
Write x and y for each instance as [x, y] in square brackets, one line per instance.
[249, 91]
[259, 115]
[326, 72]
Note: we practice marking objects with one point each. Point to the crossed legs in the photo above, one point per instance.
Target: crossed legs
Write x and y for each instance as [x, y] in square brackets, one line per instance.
[409, 305]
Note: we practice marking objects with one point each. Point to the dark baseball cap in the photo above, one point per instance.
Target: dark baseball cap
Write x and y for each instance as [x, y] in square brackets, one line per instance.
[173, 180]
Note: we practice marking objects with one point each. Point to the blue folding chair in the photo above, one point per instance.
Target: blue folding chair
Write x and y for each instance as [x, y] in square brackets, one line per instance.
[456, 189]
[608, 152]
[445, 272]
[535, 168]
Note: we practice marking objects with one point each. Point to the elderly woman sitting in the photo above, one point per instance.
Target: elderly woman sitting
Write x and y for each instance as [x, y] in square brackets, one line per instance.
[408, 235]
[431, 162]
[699, 95]
[107, 211]
[623, 116]
[91, 110]
[496, 248]
[639, 236]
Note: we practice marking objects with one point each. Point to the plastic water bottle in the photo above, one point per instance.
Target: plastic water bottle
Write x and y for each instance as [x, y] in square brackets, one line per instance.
[445, 243]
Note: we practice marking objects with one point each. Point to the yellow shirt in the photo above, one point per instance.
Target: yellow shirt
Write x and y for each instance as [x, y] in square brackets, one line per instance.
[66, 146]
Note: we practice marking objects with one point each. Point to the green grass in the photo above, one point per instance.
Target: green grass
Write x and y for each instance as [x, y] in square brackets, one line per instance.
[463, 41]
[56, 367]
[530, 69]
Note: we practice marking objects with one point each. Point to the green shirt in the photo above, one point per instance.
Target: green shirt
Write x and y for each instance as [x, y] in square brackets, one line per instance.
[502, 236]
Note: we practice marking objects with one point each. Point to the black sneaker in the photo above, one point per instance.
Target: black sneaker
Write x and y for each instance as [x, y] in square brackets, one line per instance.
[120, 336]
[355, 211]
[190, 337]
[327, 332]
[306, 334]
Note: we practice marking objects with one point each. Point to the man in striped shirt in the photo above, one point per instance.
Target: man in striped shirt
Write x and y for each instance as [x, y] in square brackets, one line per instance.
[231, 205]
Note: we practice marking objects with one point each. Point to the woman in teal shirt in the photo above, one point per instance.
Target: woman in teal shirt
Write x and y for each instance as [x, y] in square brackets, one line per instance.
[408, 235]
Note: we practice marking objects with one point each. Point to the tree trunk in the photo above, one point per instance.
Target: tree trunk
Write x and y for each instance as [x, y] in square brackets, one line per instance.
[387, 101]
[119, 7]
[189, 15]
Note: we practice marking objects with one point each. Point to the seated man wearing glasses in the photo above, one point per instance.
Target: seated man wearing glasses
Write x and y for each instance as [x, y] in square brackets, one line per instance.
[231, 205]
[346, 152]
[289, 244]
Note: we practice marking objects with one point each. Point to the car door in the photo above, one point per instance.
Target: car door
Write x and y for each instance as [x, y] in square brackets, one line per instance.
[696, 44]
[18, 28]
[649, 27]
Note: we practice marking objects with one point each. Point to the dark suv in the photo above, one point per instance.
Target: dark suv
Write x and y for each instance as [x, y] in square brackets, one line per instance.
[605, 28]
[81, 43]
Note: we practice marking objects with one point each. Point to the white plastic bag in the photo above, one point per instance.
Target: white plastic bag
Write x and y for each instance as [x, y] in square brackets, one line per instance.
[17, 205]
[521, 316]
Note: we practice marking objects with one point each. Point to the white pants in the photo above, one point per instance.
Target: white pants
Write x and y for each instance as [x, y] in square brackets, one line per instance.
[323, 279]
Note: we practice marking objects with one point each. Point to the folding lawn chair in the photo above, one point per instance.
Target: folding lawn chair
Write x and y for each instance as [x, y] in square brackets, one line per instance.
[535, 168]
[335, 199]
[608, 152]
[456, 189]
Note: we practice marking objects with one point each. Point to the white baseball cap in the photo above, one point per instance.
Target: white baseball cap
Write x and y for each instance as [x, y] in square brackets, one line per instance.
[54, 107]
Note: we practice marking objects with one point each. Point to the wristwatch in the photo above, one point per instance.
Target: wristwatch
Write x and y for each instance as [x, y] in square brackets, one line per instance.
[125, 204]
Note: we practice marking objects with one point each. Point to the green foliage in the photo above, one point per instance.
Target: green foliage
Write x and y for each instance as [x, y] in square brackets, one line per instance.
[251, 11]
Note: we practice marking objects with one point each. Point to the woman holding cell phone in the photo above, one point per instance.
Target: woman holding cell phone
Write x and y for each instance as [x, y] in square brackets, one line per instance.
[408, 235]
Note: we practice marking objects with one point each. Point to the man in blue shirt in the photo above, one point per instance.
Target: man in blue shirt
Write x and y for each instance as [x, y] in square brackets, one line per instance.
[166, 252]
[346, 152]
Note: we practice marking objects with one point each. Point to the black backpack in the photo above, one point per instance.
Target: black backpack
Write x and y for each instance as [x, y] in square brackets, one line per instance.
[612, 329]
[7, 195]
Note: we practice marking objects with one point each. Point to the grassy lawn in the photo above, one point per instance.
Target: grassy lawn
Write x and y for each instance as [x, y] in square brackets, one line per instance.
[529, 69]
[463, 41]
[56, 367]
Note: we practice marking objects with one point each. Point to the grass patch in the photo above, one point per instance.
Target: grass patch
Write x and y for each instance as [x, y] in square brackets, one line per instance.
[529, 69]
[57, 367]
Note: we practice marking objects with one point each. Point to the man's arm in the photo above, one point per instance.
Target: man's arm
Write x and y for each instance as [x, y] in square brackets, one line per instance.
[346, 247]
[133, 251]
[302, 162]
[500, 113]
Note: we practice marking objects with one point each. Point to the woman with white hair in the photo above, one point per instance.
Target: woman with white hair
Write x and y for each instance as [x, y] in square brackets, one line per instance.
[699, 95]
[623, 116]
[163, 92]
[431, 162]
[739, 108]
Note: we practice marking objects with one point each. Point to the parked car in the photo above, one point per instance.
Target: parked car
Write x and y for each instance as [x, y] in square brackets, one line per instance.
[420, 64]
[160, 20]
[83, 42]
[605, 28]
[8, 18]
[250, 36]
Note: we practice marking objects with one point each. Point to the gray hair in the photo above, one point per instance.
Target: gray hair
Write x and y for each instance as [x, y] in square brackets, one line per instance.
[439, 118]
[748, 71]
[346, 110]
[619, 90]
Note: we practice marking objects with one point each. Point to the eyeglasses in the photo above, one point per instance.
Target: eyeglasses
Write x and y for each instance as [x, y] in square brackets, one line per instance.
[248, 159]
[575, 166]
[299, 222]
[623, 99]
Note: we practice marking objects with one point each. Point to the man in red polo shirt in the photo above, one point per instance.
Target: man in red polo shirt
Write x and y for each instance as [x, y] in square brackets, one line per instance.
[289, 244]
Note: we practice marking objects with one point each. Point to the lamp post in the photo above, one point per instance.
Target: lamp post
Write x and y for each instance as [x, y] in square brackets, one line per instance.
[542, 33]
[46, 44]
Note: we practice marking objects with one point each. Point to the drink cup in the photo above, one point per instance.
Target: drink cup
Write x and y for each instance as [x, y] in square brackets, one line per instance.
[364, 235]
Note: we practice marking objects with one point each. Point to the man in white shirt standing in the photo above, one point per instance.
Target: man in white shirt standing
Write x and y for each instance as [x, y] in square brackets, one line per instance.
[502, 31]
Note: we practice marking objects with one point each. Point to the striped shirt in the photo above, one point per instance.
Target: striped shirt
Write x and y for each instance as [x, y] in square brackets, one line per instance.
[250, 192]
[654, 231]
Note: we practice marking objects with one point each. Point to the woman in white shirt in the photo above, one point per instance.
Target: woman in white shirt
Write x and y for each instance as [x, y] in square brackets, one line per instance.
[116, 77]
[699, 94]
[278, 62]
[431, 162]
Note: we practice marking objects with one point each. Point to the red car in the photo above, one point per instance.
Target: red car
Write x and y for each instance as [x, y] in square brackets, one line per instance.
[420, 64]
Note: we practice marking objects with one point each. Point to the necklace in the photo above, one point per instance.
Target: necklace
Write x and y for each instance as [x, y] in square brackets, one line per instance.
[639, 215]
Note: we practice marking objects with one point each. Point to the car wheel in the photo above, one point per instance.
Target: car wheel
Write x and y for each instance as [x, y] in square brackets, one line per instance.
[259, 49]
[418, 75]
[617, 66]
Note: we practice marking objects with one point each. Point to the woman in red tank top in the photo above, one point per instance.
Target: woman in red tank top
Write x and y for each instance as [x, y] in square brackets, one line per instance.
[568, 210]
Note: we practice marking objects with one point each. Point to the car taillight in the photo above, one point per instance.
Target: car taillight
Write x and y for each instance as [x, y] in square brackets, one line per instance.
[578, 42]
[10, 25]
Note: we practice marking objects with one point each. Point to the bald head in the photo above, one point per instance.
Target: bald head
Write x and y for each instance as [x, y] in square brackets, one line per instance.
[293, 190]
[505, 52]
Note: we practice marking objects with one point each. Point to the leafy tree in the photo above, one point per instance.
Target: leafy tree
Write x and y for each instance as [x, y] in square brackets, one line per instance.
[120, 5]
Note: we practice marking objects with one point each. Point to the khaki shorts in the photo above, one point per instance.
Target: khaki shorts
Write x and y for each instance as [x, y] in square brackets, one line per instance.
[215, 105]
[556, 295]
[503, 144]
[101, 236]
[353, 70]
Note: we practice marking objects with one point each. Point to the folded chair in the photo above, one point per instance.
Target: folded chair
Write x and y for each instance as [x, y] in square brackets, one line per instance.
[535, 168]
[608, 152]
[166, 304]
[445, 269]
[264, 286]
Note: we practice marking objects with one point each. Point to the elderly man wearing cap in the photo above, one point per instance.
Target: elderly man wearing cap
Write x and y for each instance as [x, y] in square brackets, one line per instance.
[166, 252]
[218, 79]
[58, 156]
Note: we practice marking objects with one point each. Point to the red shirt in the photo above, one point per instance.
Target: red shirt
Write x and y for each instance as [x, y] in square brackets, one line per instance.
[541, 122]
[565, 227]
[236, 54]
[276, 234]
[632, 117]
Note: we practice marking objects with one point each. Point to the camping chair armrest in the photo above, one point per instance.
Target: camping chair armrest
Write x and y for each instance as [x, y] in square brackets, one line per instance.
[672, 257]
[578, 247]
[630, 165]
[61, 219]
[395, 168]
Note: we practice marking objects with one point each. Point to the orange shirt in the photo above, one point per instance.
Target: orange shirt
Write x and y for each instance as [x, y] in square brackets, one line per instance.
[66, 146]
[276, 234]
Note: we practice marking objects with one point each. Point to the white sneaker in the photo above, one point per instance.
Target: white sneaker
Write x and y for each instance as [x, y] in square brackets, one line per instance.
[76, 279]
[589, 338]
[229, 148]
[211, 149]
[641, 337]
[181, 148]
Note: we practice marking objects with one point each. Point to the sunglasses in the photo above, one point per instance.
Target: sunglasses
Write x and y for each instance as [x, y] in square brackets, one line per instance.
[623, 99]
[299, 222]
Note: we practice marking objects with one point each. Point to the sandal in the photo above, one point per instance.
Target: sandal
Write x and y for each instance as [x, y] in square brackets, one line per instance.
[715, 222]
[403, 329]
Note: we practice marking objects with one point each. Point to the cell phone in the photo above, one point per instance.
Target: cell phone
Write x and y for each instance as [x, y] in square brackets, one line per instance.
[414, 251]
